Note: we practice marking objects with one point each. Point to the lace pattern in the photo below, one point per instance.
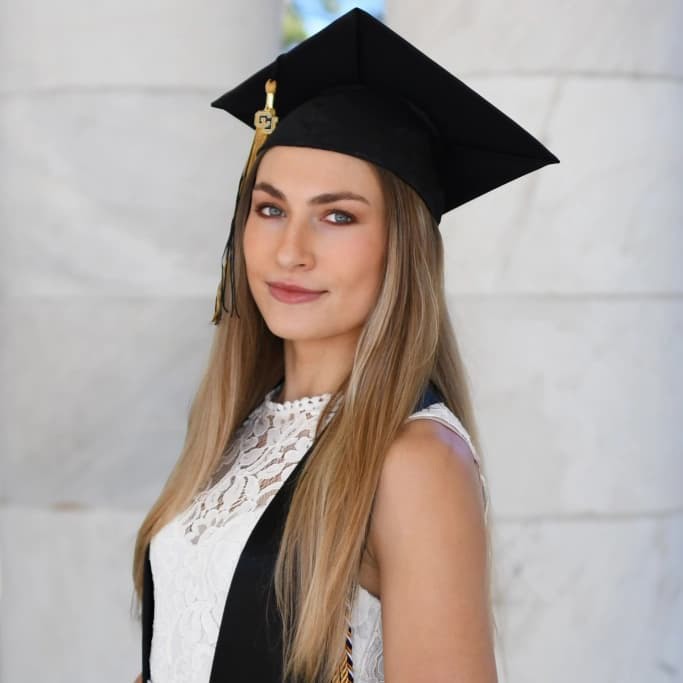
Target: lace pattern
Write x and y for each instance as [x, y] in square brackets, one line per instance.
[194, 556]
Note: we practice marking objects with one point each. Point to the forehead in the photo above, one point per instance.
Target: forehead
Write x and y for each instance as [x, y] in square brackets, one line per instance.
[290, 166]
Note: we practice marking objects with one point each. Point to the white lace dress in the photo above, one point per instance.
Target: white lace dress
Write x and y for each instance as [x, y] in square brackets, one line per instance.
[194, 556]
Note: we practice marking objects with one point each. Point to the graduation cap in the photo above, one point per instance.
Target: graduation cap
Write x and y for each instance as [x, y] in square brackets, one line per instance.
[359, 88]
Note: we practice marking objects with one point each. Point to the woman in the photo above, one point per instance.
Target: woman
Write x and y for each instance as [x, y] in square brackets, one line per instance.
[326, 519]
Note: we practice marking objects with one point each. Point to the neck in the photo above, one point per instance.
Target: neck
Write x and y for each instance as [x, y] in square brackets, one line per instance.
[317, 366]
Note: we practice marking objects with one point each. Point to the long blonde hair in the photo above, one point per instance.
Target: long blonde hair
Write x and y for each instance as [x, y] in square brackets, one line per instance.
[406, 341]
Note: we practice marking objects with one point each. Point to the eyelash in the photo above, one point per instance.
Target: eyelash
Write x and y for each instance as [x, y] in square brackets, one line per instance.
[349, 218]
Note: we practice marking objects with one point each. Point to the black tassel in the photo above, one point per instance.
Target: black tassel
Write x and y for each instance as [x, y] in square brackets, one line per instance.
[265, 121]
[228, 258]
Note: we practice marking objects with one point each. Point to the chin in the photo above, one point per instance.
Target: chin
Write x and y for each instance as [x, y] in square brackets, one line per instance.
[296, 332]
[304, 329]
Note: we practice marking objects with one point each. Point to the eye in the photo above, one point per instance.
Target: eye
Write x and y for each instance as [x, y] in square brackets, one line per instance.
[268, 214]
[345, 217]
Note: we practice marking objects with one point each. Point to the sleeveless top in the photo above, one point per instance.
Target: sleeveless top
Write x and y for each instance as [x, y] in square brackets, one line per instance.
[193, 557]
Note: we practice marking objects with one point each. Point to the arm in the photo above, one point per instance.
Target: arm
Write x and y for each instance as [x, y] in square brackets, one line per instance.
[428, 537]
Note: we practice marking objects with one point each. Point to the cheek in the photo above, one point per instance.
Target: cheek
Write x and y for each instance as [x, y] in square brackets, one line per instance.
[358, 265]
[253, 249]
[253, 246]
[248, 241]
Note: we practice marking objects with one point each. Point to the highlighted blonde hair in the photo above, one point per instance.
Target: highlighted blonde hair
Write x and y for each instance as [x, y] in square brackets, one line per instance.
[406, 341]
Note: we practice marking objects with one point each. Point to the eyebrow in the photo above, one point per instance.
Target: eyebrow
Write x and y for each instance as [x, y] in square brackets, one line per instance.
[325, 198]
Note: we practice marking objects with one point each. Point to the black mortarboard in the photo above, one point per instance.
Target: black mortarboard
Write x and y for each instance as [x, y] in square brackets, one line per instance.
[359, 88]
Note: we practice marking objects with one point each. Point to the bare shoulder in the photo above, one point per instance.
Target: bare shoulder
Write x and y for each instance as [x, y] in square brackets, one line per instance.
[424, 442]
[428, 538]
[429, 463]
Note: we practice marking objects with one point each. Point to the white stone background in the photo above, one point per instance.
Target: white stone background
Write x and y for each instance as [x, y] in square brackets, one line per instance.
[117, 183]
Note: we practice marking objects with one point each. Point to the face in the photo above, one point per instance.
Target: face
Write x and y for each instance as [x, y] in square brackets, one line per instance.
[316, 221]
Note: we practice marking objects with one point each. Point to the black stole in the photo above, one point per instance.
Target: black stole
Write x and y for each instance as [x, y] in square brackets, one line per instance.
[249, 646]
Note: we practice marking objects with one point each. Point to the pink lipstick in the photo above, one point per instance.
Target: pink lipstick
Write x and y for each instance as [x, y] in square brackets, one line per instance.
[292, 294]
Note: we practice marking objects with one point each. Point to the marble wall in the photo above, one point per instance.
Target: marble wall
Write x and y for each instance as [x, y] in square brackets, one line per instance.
[566, 289]
[118, 183]
[116, 187]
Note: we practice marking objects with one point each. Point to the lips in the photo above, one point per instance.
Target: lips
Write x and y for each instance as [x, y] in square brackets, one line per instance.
[291, 294]
[290, 287]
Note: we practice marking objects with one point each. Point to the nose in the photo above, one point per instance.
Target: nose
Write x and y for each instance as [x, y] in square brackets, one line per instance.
[295, 247]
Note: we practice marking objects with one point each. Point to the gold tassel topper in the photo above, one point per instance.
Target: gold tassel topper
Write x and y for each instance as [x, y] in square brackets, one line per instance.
[265, 122]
